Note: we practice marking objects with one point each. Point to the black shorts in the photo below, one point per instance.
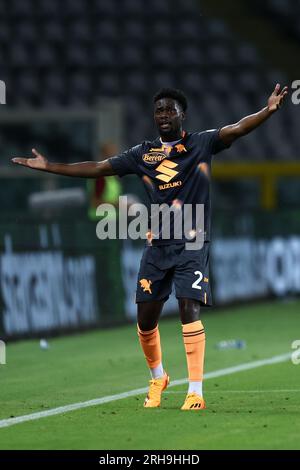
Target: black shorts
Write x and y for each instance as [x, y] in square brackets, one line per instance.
[161, 265]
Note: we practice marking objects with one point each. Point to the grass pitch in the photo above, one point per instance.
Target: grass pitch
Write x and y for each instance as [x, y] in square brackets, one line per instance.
[254, 409]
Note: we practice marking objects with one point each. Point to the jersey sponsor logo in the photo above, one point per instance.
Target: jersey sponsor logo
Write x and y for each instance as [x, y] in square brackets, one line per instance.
[175, 184]
[166, 171]
[164, 148]
[146, 285]
[154, 157]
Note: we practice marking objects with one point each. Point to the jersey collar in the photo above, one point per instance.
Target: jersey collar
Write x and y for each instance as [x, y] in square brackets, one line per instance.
[179, 148]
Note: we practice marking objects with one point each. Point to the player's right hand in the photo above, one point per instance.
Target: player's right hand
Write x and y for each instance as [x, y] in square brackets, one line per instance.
[39, 162]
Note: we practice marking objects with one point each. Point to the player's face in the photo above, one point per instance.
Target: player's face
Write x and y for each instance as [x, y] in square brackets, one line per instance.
[168, 117]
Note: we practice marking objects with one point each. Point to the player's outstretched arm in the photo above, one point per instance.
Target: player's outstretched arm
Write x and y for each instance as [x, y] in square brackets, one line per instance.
[230, 133]
[83, 169]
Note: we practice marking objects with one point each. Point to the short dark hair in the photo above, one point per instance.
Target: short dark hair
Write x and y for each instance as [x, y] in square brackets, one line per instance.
[173, 93]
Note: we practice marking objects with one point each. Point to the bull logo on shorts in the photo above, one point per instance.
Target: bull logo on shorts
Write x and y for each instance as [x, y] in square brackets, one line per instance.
[146, 285]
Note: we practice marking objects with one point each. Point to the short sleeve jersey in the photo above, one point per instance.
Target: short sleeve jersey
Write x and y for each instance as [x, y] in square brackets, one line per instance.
[175, 175]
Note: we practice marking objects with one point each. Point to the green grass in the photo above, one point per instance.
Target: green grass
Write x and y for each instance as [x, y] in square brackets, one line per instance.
[255, 409]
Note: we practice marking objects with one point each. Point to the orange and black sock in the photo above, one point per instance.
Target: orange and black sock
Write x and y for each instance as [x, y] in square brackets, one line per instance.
[194, 343]
[150, 342]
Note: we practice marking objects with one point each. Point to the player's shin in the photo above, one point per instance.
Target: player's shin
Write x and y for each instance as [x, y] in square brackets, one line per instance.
[194, 343]
[150, 343]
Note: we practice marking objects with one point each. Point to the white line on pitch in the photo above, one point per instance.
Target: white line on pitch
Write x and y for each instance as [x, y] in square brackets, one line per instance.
[132, 393]
[222, 392]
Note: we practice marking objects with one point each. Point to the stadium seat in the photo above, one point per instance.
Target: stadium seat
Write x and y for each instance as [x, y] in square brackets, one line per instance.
[108, 83]
[47, 8]
[45, 55]
[163, 56]
[134, 30]
[54, 32]
[17, 9]
[19, 55]
[79, 31]
[104, 55]
[107, 30]
[191, 57]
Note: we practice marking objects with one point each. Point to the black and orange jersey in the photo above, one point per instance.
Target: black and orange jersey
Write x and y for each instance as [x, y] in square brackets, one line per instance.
[174, 175]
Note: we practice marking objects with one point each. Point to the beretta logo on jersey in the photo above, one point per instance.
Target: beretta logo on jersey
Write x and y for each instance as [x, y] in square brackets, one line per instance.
[154, 157]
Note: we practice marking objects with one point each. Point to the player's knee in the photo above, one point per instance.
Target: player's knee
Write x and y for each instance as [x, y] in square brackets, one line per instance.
[146, 319]
[189, 310]
[146, 324]
[148, 314]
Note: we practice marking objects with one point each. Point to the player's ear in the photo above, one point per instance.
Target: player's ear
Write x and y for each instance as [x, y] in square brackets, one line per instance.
[183, 115]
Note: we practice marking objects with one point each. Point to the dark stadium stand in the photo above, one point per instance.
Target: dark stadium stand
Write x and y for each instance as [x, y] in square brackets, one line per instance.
[286, 13]
[61, 54]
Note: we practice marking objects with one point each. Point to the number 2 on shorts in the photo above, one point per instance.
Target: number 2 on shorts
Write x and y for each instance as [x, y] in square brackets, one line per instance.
[196, 283]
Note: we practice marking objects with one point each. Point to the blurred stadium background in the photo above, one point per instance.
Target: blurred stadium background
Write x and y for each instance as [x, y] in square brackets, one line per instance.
[79, 81]
[79, 78]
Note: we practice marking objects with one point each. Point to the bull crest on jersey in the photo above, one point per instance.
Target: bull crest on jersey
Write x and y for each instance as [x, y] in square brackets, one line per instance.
[180, 148]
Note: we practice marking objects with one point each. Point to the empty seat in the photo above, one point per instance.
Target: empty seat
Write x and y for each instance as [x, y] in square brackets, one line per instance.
[188, 29]
[53, 101]
[22, 9]
[20, 55]
[217, 29]
[134, 30]
[80, 84]
[74, 8]
[5, 32]
[28, 84]
[157, 7]
[221, 82]
[193, 82]
[107, 84]
[220, 54]
[160, 31]
[190, 57]
[79, 31]
[103, 55]
[132, 8]
[164, 79]
[45, 55]
[26, 31]
[106, 8]
[163, 55]
[136, 82]
[77, 55]
[54, 31]
[55, 82]
[107, 30]
[47, 8]
[240, 105]
[247, 55]
[187, 7]
[131, 55]
[248, 82]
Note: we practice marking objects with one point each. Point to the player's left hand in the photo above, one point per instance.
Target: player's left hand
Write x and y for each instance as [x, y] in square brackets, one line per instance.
[277, 98]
